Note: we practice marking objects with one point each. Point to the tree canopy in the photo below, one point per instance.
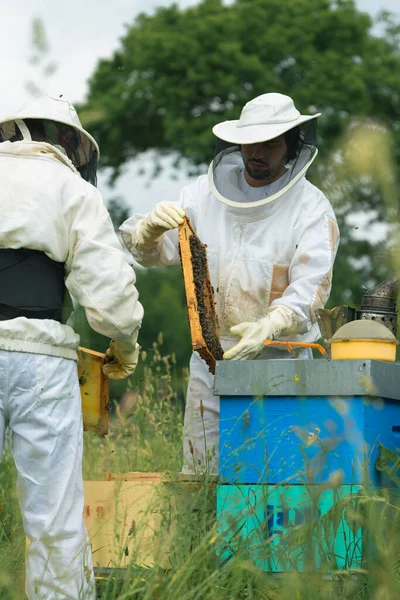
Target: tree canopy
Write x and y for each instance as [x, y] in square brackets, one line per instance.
[178, 72]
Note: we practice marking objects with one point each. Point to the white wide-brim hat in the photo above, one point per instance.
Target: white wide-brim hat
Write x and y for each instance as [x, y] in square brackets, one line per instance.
[263, 118]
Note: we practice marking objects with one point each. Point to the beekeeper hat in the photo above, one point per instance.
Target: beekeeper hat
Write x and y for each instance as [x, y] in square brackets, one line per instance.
[61, 127]
[263, 118]
[53, 109]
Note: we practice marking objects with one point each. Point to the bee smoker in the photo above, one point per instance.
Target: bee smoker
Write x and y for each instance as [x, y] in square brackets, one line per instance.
[377, 305]
[380, 305]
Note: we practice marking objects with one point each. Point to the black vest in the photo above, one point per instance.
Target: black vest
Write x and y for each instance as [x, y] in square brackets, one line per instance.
[31, 285]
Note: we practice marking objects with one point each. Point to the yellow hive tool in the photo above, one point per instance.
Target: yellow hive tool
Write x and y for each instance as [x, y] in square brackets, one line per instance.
[94, 388]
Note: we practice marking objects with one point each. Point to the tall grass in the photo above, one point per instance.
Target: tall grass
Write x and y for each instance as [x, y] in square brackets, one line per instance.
[146, 427]
[12, 539]
[201, 559]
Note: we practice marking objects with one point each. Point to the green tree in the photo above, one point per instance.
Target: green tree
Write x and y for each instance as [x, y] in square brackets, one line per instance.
[178, 72]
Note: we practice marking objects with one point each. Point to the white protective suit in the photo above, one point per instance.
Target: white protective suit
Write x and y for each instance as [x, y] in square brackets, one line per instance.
[47, 206]
[267, 254]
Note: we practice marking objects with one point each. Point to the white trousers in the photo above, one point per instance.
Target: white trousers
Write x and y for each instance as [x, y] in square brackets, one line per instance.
[40, 402]
[201, 423]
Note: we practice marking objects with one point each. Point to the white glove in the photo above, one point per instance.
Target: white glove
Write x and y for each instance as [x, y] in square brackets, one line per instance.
[163, 217]
[122, 358]
[280, 320]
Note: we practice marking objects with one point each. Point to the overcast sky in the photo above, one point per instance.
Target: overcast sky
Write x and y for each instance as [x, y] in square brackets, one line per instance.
[80, 32]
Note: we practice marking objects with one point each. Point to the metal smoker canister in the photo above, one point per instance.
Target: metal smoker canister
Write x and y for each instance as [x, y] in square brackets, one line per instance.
[380, 305]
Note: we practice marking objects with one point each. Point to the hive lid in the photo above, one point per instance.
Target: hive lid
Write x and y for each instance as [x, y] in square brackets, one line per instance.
[364, 329]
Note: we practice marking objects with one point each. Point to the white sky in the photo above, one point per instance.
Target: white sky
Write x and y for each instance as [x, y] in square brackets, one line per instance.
[79, 33]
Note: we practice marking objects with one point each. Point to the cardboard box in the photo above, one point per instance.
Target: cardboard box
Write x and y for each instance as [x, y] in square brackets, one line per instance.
[132, 518]
[128, 520]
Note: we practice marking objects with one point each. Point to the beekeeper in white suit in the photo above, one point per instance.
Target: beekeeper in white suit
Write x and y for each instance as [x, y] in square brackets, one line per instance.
[271, 241]
[54, 232]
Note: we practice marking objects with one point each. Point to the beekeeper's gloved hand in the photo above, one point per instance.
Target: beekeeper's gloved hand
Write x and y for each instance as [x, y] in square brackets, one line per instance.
[122, 358]
[280, 320]
[163, 217]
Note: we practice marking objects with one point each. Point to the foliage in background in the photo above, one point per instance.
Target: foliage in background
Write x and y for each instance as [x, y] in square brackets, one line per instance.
[178, 72]
[12, 538]
[146, 429]
[365, 164]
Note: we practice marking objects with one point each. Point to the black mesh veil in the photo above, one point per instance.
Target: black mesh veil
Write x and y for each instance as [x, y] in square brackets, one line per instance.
[226, 172]
[72, 142]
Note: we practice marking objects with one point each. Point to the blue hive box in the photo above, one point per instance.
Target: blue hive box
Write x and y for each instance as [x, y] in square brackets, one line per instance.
[294, 421]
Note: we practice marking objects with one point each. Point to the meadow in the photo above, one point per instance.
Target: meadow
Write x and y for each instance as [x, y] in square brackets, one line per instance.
[204, 562]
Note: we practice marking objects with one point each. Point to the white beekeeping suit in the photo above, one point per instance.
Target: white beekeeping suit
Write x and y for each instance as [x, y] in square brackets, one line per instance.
[271, 241]
[55, 232]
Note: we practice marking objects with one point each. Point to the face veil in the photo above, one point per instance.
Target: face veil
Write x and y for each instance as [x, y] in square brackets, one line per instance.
[226, 172]
[79, 149]
[56, 122]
